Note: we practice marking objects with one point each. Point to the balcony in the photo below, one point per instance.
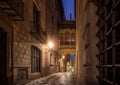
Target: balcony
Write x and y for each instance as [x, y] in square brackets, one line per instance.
[67, 42]
[14, 8]
[38, 32]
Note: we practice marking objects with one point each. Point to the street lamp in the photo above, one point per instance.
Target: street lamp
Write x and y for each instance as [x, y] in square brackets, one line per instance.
[63, 56]
[50, 50]
[51, 44]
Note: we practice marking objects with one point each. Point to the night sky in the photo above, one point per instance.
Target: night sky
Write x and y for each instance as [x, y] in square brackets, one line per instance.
[69, 9]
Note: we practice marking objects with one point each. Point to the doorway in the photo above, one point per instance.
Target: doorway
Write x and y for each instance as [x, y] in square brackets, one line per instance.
[3, 57]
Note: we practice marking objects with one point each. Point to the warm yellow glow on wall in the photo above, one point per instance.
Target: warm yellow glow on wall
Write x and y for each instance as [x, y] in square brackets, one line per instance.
[51, 44]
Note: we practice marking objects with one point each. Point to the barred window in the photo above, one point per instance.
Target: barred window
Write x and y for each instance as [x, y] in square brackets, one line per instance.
[109, 42]
[35, 59]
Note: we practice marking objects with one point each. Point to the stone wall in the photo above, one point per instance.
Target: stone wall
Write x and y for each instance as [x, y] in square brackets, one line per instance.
[8, 28]
[19, 39]
[53, 18]
[23, 41]
[86, 41]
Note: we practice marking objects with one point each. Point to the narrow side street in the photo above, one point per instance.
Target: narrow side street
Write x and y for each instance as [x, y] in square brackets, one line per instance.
[55, 79]
[59, 42]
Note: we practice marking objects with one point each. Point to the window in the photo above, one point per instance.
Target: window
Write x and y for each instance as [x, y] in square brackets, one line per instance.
[35, 59]
[36, 18]
[61, 38]
[109, 42]
[67, 38]
[36, 30]
[73, 38]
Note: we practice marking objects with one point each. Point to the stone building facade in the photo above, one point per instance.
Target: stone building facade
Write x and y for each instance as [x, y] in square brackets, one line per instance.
[67, 38]
[25, 28]
[86, 40]
[55, 16]
[98, 42]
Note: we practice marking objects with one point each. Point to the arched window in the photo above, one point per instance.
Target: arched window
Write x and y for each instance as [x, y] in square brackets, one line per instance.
[73, 38]
[35, 59]
[67, 38]
[61, 38]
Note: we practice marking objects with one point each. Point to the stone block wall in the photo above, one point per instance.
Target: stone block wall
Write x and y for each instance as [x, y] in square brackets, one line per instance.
[8, 28]
[19, 39]
[22, 42]
[86, 41]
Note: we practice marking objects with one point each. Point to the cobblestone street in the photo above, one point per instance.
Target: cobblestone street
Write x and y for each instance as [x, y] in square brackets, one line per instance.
[55, 79]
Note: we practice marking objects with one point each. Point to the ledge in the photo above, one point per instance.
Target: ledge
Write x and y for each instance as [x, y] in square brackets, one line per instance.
[86, 65]
[14, 8]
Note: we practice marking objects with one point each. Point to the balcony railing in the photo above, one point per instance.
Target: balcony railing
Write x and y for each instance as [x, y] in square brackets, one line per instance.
[38, 33]
[67, 42]
[67, 46]
[14, 8]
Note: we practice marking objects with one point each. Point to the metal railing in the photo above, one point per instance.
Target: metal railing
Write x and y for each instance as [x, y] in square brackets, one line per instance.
[38, 32]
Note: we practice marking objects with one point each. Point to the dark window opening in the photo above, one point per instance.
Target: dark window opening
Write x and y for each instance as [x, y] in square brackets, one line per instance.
[36, 18]
[3, 57]
[35, 59]
[109, 43]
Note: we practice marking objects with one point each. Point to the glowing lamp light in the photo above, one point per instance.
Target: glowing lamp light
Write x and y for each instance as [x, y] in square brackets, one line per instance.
[63, 57]
[68, 63]
[50, 44]
[70, 67]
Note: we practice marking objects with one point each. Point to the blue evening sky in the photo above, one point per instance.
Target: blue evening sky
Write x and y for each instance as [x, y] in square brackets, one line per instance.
[71, 56]
[68, 8]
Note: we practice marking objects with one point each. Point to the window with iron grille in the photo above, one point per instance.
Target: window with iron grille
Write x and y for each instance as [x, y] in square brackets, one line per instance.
[35, 59]
[109, 41]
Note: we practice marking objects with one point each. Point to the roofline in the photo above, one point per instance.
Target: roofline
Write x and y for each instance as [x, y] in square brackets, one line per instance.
[67, 24]
[61, 9]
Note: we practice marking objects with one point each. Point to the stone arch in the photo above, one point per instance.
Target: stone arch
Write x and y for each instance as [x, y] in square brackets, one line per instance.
[61, 37]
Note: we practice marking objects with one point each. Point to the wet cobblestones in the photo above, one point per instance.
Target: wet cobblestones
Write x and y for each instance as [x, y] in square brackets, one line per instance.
[55, 79]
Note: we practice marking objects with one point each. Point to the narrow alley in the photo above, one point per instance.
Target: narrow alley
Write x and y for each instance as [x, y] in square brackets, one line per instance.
[59, 42]
[65, 78]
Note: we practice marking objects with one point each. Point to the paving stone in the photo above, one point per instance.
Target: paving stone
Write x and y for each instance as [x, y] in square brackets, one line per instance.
[56, 79]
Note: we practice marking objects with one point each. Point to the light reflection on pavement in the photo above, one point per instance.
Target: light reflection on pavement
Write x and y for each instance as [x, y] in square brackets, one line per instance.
[56, 79]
